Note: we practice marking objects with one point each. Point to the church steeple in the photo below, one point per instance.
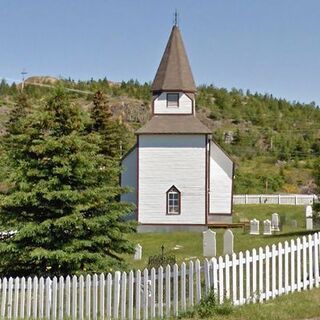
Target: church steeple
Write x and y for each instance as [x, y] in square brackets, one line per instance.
[174, 72]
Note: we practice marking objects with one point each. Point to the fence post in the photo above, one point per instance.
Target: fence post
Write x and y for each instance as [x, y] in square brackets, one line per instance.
[316, 259]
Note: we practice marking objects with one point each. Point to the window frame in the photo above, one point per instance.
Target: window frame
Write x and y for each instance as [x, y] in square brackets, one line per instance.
[178, 98]
[173, 190]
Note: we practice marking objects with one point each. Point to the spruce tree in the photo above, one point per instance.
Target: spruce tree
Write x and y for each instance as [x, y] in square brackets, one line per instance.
[113, 132]
[62, 199]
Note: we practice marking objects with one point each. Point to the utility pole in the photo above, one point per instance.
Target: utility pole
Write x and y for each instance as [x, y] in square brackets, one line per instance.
[23, 73]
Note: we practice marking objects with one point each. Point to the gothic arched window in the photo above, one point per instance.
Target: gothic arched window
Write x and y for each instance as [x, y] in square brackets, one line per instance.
[173, 201]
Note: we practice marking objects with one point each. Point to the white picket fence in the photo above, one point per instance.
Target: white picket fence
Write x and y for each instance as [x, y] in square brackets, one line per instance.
[253, 276]
[290, 199]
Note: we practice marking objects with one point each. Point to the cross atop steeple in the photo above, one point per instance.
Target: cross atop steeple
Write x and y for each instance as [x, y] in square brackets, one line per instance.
[175, 23]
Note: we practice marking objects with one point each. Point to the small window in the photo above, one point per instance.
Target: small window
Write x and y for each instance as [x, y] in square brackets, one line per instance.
[173, 201]
[172, 100]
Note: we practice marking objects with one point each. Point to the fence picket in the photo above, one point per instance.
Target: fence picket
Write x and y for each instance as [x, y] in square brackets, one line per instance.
[130, 293]
[138, 294]
[261, 258]
[175, 289]
[35, 298]
[68, 297]
[123, 295]
[116, 294]
[241, 261]
[160, 292]
[29, 297]
[183, 287]
[286, 267]
[198, 280]
[191, 284]
[101, 295]
[61, 298]
[310, 260]
[16, 297]
[109, 295]
[220, 279]
[299, 264]
[267, 274]
[54, 298]
[41, 298]
[95, 296]
[145, 293]
[234, 278]
[22, 297]
[48, 297]
[248, 277]
[316, 259]
[292, 265]
[227, 274]
[10, 294]
[254, 275]
[81, 297]
[280, 270]
[88, 297]
[153, 294]
[74, 298]
[274, 256]
[206, 269]
[304, 263]
[4, 297]
[168, 290]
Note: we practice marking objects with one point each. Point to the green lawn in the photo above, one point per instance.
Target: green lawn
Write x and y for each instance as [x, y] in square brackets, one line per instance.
[188, 245]
[295, 306]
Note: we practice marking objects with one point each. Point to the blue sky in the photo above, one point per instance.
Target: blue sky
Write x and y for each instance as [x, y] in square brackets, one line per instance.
[263, 45]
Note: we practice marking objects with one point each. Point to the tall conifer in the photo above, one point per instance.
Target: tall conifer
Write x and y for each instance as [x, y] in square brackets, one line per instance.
[62, 198]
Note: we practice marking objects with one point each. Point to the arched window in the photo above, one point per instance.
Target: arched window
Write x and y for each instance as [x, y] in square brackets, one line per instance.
[173, 201]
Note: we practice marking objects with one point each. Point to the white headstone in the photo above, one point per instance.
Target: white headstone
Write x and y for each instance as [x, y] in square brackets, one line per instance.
[275, 222]
[267, 227]
[308, 211]
[137, 252]
[228, 240]
[254, 226]
[309, 220]
[209, 243]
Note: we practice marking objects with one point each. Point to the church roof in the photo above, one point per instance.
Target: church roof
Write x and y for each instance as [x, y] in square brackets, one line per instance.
[174, 124]
[174, 72]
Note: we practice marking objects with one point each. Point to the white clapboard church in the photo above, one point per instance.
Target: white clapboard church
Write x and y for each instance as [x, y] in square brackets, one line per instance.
[179, 177]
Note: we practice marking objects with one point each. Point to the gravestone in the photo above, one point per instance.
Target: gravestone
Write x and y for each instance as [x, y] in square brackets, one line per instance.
[209, 243]
[254, 226]
[275, 222]
[137, 252]
[228, 240]
[309, 220]
[267, 227]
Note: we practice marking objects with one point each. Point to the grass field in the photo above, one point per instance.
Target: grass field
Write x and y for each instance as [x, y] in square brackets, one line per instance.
[295, 306]
[188, 245]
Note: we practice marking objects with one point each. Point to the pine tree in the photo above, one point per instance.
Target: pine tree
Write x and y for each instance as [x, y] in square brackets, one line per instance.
[113, 132]
[62, 198]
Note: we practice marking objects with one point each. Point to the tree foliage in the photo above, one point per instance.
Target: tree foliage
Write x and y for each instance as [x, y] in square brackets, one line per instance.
[62, 198]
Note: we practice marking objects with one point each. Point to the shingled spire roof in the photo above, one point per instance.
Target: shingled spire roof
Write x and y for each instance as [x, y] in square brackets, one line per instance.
[174, 72]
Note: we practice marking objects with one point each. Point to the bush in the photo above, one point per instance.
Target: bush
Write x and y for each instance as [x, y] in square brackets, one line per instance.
[208, 307]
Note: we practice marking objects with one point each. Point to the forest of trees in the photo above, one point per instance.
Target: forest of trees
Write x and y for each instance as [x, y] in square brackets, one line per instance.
[252, 127]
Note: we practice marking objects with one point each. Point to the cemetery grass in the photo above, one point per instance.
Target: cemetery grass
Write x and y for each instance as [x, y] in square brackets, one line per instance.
[298, 305]
[188, 245]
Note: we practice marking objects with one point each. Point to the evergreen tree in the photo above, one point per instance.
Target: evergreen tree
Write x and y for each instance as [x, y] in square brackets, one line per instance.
[62, 198]
[113, 132]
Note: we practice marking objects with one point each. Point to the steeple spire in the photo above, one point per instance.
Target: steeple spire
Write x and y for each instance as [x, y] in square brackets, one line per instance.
[174, 72]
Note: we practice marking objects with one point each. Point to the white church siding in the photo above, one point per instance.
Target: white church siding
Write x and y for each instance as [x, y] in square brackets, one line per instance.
[160, 105]
[129, 176]
[167, 160]
[221, 176]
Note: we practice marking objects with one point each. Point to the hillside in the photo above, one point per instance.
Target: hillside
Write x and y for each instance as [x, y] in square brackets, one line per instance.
[273, 141]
